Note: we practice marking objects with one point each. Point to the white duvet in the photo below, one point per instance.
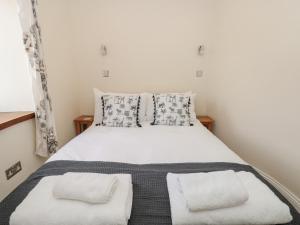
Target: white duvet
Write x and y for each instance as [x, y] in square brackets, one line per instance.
[149, 144]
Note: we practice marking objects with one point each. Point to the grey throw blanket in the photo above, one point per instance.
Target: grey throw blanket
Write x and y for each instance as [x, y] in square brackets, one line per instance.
[150, 199]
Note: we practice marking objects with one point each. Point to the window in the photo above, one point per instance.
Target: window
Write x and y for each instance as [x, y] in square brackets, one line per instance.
[15, 82]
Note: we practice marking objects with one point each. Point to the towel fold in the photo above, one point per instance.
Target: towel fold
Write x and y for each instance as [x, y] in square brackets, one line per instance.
[41, 207]
[86, 187]
[262, 207]
[213, 190]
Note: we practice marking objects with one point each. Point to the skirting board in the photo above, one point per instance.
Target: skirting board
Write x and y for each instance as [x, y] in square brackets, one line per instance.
[291, 197]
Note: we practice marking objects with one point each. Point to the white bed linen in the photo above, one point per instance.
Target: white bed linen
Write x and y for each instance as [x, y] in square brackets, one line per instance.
[213, 190]
[262, 207]
[40, 207]
[95, 188]
[149, 144]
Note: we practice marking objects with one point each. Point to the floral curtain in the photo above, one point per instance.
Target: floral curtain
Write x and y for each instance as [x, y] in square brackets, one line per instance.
[46, 138]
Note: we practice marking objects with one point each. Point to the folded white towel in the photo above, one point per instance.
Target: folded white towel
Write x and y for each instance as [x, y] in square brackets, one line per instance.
[213, 190]
[41, 207]
[262, 207]
[86, 187]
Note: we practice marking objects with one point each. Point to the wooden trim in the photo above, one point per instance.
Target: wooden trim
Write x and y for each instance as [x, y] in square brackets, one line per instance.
[83, 118]
[9, 119]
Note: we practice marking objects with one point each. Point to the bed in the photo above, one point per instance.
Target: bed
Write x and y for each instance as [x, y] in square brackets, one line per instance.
[149, 144]
[148, 153]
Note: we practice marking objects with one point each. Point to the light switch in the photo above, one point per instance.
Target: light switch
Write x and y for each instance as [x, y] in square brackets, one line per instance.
[105, 73]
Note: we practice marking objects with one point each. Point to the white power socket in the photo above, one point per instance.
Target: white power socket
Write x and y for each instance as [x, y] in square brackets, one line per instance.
[199, 73]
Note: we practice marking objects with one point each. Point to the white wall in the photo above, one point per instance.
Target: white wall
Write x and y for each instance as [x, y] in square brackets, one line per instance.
[152, 46]
[12, 151]
[15, 82]
[254, 84]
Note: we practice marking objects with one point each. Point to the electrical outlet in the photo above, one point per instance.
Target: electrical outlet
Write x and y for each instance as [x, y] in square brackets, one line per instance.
[199, 73]
[13, 170]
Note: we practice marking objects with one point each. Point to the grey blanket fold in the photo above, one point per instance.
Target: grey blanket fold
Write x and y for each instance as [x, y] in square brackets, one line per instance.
[150, 201]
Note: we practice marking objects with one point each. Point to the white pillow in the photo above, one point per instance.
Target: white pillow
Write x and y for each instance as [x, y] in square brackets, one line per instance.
[172, 109]
[98, 111]
[121, 110]
[193, 115]
[150, 107]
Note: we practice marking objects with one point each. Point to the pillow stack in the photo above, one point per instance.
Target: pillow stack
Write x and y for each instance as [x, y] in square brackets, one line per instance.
[130, 110]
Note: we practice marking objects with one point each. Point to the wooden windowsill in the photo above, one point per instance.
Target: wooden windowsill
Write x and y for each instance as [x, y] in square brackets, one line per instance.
[8, 119]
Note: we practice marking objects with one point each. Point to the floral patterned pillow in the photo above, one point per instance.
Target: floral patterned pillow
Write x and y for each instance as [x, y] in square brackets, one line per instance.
[120, 111]
[171, 109]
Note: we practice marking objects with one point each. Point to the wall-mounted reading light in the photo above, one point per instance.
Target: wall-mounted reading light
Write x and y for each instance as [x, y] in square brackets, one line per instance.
[103, 50]
[201, 50]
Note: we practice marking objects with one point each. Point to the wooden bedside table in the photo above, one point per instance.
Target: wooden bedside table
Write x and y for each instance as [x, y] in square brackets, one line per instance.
[82, 123]
[206, 121]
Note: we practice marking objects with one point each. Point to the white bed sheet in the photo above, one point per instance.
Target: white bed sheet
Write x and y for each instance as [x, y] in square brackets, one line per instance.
[149, 144]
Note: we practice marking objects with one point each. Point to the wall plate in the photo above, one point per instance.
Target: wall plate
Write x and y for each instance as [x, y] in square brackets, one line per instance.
[13, 170]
